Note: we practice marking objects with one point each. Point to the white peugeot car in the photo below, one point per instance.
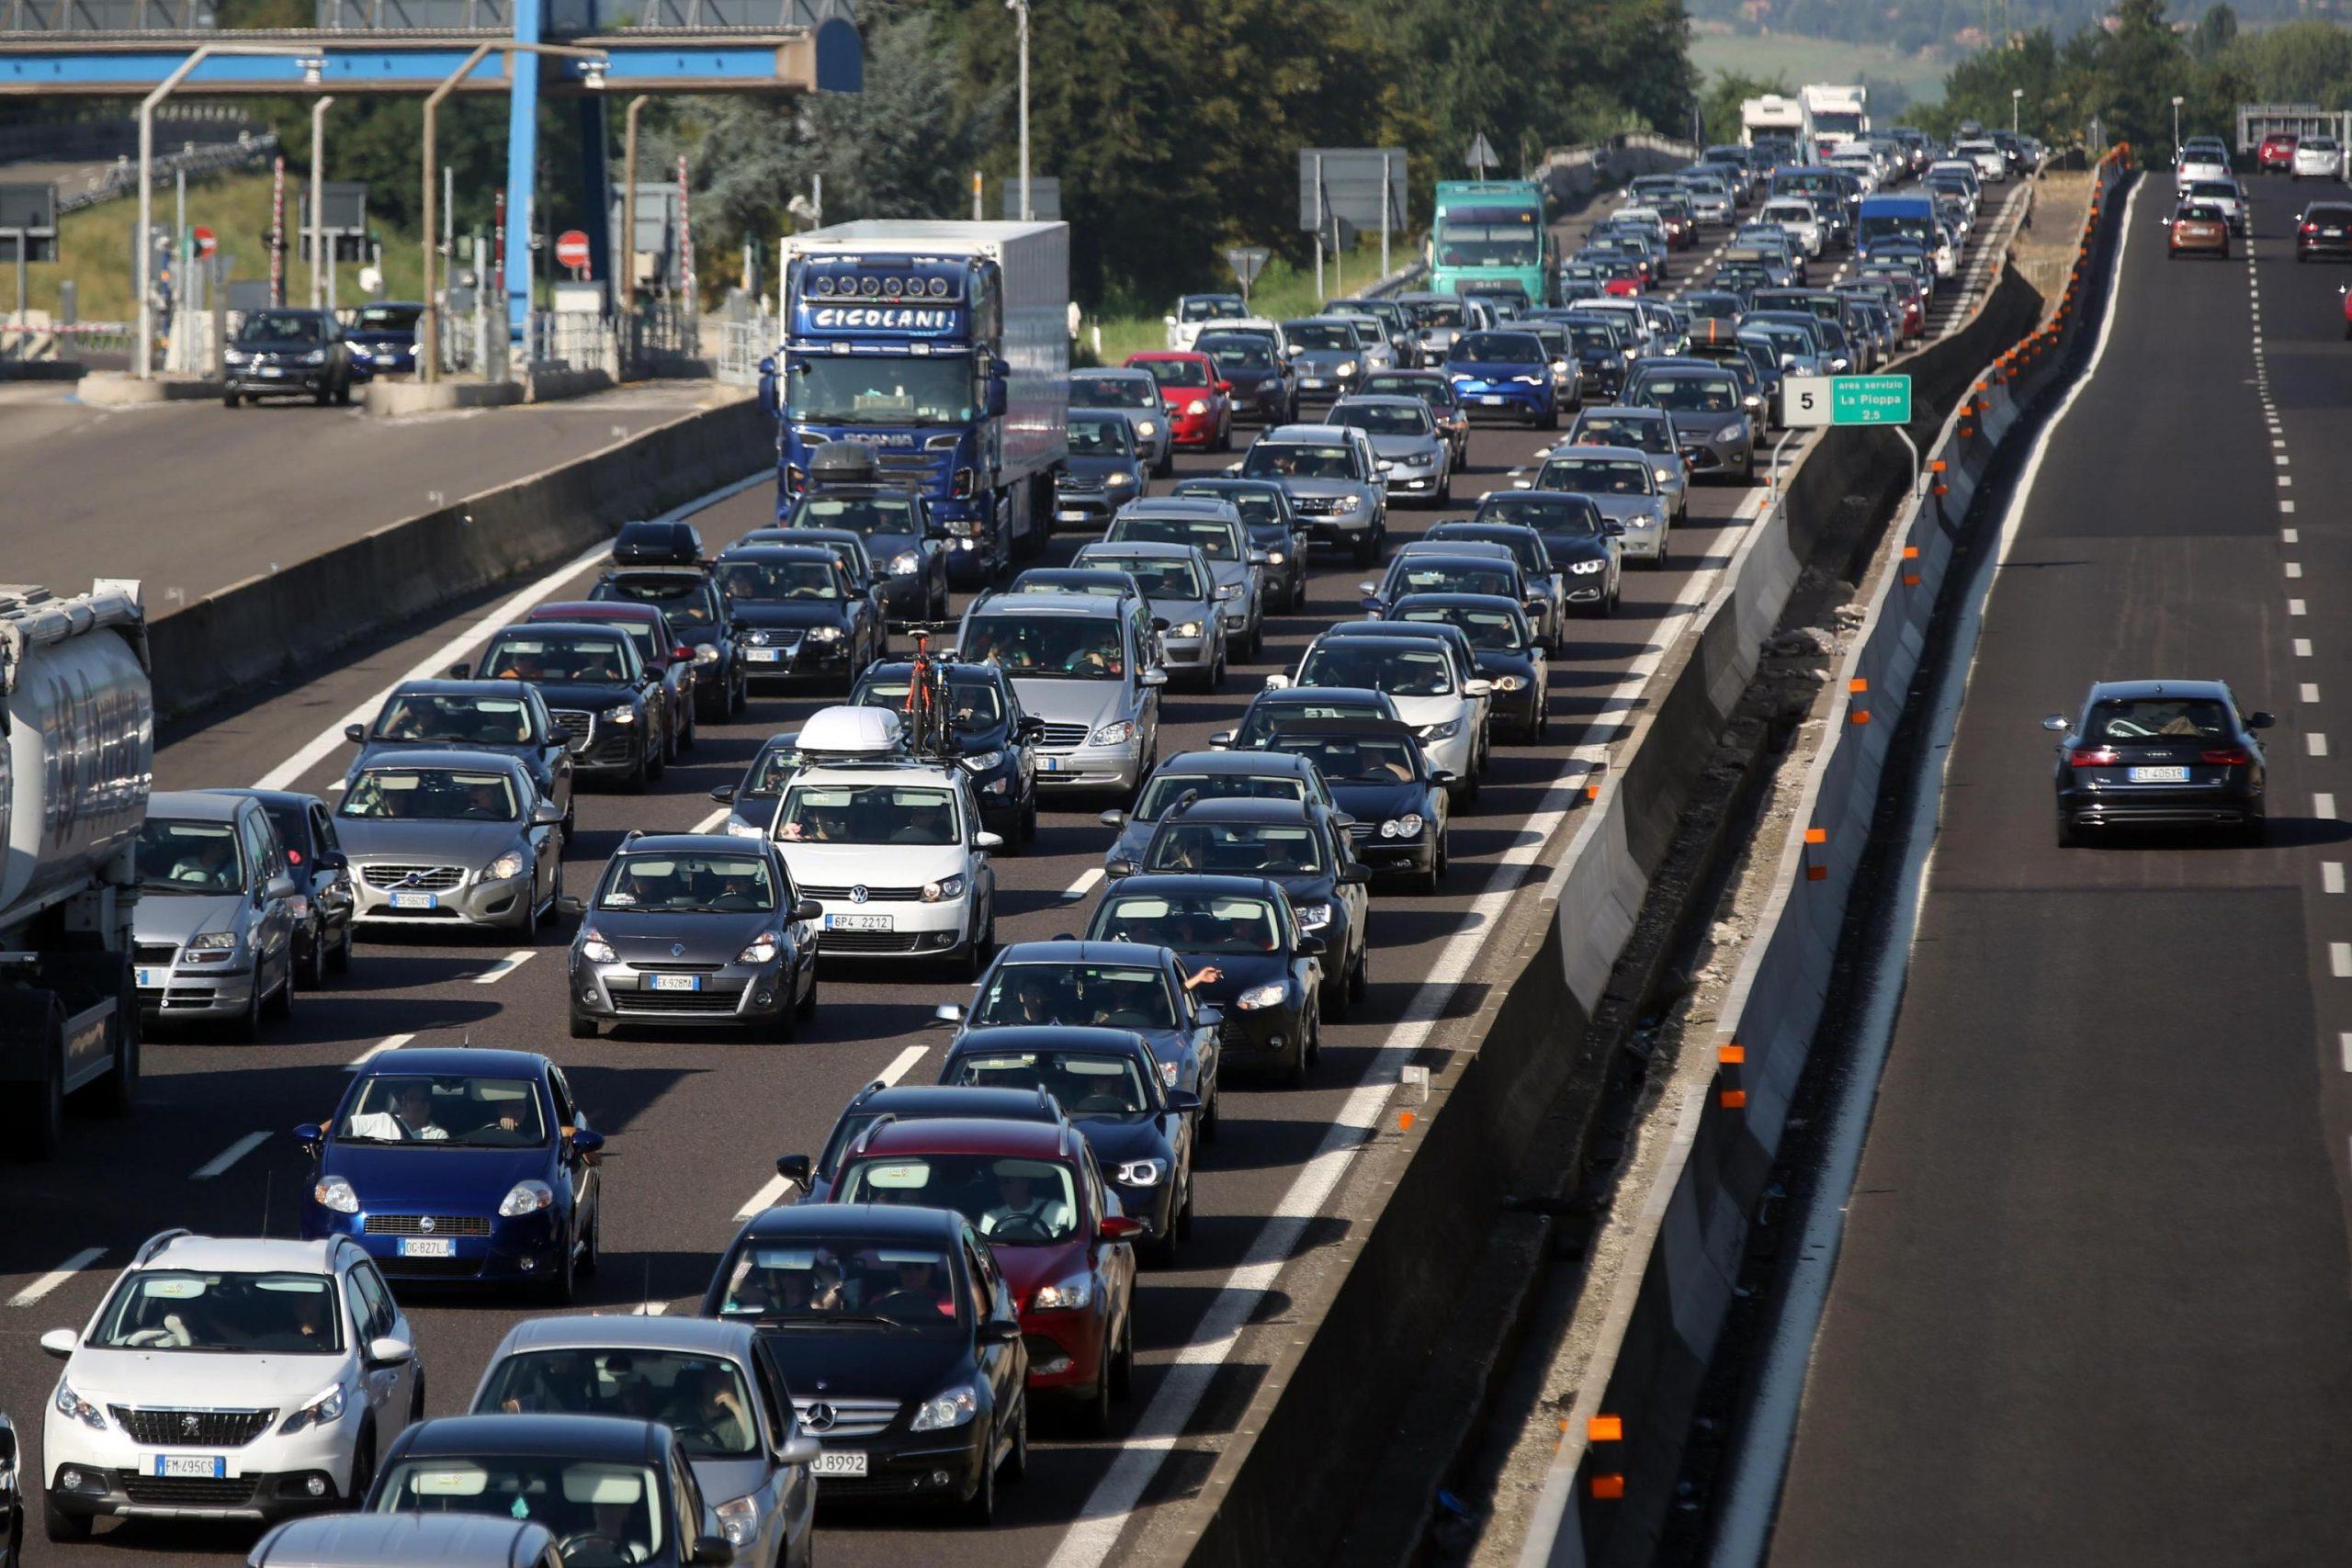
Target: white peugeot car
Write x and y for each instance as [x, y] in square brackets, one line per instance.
[894, 851]
[242, 1378]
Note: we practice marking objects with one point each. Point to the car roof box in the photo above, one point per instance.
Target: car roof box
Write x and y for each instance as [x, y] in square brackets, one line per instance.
[842, 463]
[851, 732]
[657, 543]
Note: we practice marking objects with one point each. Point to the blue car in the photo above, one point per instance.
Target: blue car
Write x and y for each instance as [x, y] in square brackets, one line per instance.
[1504, 372]
[383, 335]
[459, 1165]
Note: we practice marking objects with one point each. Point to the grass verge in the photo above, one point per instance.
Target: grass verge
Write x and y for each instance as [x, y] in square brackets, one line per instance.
[1282, 291]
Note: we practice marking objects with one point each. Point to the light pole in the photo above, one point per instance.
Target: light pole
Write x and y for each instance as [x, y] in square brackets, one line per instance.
[2016, 96]
[2176, 101]
[143, 250]
[317, 201]
[628, 301]
[1021, 9]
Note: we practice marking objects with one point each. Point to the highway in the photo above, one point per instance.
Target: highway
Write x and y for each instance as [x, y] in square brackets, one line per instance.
[2090, 1305]
[695, 1123]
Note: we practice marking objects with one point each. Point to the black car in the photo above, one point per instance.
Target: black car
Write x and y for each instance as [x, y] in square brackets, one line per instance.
[1546, 600]
[799, 614]
[1205, 776]
[2323, 230]
[1102, 473]
[314, 859]
[1600, 344]
[880, 1101]
[1275, 531]
[603, 700]
[907, 548]
[611, 1490]
[1269, 974]
[894, 1329]
[1105, 1081]
[1503, 644]
[280, 353]
[688, 596]
[1379, 776]
[382, 336]
[994, 740]
[1264, 388]
[2160, 753]
[1584, 548]
[1271, 709]
[510, 717]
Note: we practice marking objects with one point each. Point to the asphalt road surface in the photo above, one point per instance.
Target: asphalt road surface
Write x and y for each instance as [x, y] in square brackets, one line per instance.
[2091, 1305]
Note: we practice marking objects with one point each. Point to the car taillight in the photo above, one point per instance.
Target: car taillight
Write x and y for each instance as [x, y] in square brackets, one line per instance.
[2310, 228]
[2228, 756]
[2094, 757]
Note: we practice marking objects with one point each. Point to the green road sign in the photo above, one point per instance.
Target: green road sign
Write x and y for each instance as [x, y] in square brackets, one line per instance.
[1870, 400]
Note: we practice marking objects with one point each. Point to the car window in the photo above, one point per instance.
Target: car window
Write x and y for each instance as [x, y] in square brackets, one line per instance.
[189, 857]
[1234, 923]
[2131, 720]
[383, 1316]
[1086, 647]
[559, 657]
[868, 813]
[1498, 629]
[261, 1312]
[446, 1111]
[1211, 536]
[1352, 759]
[1160, 577]
[432, 795]
[1598, 476]
[1106, 995]
[812, 1281]
[1102, 438]
[1383, 418]
[1176, 372]
[684, 598]
[1166, 788]
[704, 1398]
[261, 845]
[1399, 672]
[1234, 849]
[1013, 1201]
[752, 582]
[687, 883]
[1114, 393]
[1299, 460]
[1082, 1083]
[620, 1503]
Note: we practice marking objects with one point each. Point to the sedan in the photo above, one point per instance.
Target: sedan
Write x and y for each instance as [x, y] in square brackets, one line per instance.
[1260, 379]
[658, 647]
[2277, 154]
[1212, 526]
[1505, 647]
[1585, 549]
[631, 1478]
[802, 615]
[1645, 430]
[1544, 585]
[1205, 776]
[1199, 398]
[1182, 591]
[322, 902]
[212, 933]
[904, 542]
[1276, 532]
[698, 617]
[1331, 354]
[382, 336]
[1135, 397]
[1447, 712]
[1416, 460]
[1711, 424]
[1379, 776]
[2162, 753]
[2323, 230]
[504, 717]
[451, 839]
[611, 710]
[1239, 935]
[1285, 703]
[1432, 387]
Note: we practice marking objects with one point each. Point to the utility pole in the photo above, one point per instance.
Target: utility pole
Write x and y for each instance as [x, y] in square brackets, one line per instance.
[320, 265]
[1021, 8]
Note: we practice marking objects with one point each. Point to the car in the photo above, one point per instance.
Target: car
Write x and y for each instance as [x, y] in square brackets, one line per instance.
[800, 615]
[1503, 643]
[284, 353]
[1034, 1192]
[658, 647]
[2276, 155]
[2160, 753]
[880, 1101]
[1087, 582]
[504, 717]
[1624, 483]
[382, 334]
[2204, 164]
[995, 739]
[1104, 471]
[1181, 590]
[698, 619]
[1505, 371]
[1603, 346]
[226, 1376]
[1435, 565]
[1206, 775]
[1086, 667]
[1391, 322]
[1831, 345]
[2198, 228]
[910, 549]
[2318, 158]
[904, 835]
[1263, 389]
[1795, 216]
[1214, 526]
[397, 1540]
[693, 930]
[1268, 972]
[213, 933]
[2324, 229]
[616, 1490]
[1380, 777]
[452, 839]
[1332, 352]
[1446, 710]
[1414, 457]
[1114, 1090]
[323, 902]
[1712, 422]
[933, 1409]
[751, 800]
[1199, 398]
[1135, 397]
[1793, 348]
[1433, 318]
[1080, 985]
[609, 707]
[1435, 392]
[2223, 194]
[1275, 529]
[1198, 314]
[1333, 477]
[1544, 585]
[1279, 704]
[1583, 546]
[1647, 429]
[708, 1379]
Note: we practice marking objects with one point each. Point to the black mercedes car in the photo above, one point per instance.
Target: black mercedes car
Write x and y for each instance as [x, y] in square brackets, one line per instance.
[908, 548]
[1586, 549]
[1270, 709]
[995, 741]
[688, 596]
[1269, 974]
[1275, 530]
[2160, 753]
[1504, 645]
[1379, 776]
[908, 1102]
[510, 717]
[603, 700]
[797, 614]
[280, 353]
[1546, 593]
[900, 1341]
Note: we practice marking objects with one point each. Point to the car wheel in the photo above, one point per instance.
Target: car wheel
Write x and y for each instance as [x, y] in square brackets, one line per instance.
[322, 396]
[694, 729]
[809, 998]
[280, 1006]
[1016, 1463]
[1184, 1214]
[1360, 986]
[739, 698]
[1294, 1076]
[642, 779]
[563, 1280]
[1211, 1114]
[592, 1250]
[1368, 549]
[314, 971]
[583, 1027]
[247, 1028]
[980, 1509]
[1094, 1416]
[1331, 999]
[343, 395]
[228, 400]
[61, 1526]
[787, 1022]
[1029, 822]
[339, 957]
[363, 1467]
[1123, 1364]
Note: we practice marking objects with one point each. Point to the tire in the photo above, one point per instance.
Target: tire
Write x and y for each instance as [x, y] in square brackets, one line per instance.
[1029, 822]
[642, 779]
[1016, 1463]
[583, 1027]
[228, 400]
[1332, 1000]
[1123, 1364]
[1211, 1114]
[1094, 1415]
[563, 1284]
[343, 395]
[323, 396]
[58, 1524]
[1360, 986]
[807, 1003]
[314, 972]
[363, 1468]
[981, 1507]
[592, 1252]
[1294, 1074]
[2069, 835]
[784, 1024]
[35, 1023]
[1368, 549]
[339, 955]
[694, 729]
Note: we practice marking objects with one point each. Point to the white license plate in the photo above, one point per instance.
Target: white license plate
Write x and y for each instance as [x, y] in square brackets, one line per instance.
[209, 1466]
[677, 982]
[1068, 514]
[149, 979]
[427, 1246]
[1311, 382]
[1494, 401]
[1052, 764]
[416, 901]
[857, 922]
[763, 655]
[838, 1462]
[2160, 775]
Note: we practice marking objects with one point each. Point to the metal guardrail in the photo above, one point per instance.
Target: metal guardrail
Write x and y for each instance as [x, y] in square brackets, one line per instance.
[568, 340]
[77, 340]
[107, 17]
[122, 178]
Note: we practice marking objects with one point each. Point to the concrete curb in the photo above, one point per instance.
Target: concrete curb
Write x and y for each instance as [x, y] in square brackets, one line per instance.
[119, 388]
[394, 400]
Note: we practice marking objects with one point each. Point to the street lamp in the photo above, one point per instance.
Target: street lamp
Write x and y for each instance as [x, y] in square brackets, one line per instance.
[2176, 101]
[1021, 8]
[2015, 93]
[626, 303]
[319, 289]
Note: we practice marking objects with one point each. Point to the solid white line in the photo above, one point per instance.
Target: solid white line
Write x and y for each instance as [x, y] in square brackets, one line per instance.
[2331, 877]
[770, 1191]
[902, 1063]
[2311, 691]
[504, 966]
[2344, 1044]
[228, 1156]
[2315, 743]
[1083, 886]
[2339, 960]
[712, 822]
[388, 1042]
[57, 1276]
[2324, 806]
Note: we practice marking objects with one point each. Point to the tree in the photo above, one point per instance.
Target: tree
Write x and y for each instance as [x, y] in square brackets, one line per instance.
[2214, 32]
[2140, 66]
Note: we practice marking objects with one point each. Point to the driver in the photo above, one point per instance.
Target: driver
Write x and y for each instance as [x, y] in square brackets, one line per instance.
[1022, 1206]
[919, 1291]
[1032, 1001]
[486, 799]
[208, 860]
[701, 1400]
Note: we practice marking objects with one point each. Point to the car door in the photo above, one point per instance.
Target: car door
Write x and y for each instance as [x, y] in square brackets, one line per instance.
[1203, 1032]
[1002, 1363]
[1353, 893]
[578, 1169]
[391, 1389]
[783, 1495]
[330, 873]
[555, 756]
[273, 894]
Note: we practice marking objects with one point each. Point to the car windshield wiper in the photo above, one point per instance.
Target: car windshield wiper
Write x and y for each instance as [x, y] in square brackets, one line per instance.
[833, 1319]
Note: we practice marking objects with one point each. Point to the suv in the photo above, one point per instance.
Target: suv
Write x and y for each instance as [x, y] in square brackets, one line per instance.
[1213, 524]
[1333, 477]
[894, 855]
[223, 1377]
[611, 710]
[1089, 667]
[280, 353]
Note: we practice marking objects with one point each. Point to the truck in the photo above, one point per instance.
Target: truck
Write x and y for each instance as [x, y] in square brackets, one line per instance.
[77, 746]
[1489, 235]
[1836, 113]
[944, 346]
[1773, 115]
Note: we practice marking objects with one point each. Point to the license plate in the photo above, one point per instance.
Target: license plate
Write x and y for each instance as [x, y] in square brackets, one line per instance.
[416, 901]
[2160, 775]
[857, 922]
[1067, 514]
[763, 655]
[1494, 401]
[427, 1246]
[1052, 764]
[1311, 381]
[149, 979]
[838, 1462]
[208, 1466]
[677, 982]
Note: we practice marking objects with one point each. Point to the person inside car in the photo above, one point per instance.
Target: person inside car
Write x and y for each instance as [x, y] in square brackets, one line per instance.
[1023, 1210]
[701, 1402]
[918, 1292]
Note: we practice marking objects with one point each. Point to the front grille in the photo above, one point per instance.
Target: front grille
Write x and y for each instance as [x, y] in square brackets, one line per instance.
[160, 1427]
[1061, 736]
[868, 941]
[873, 895]
[152, 951]
[431, 1268]
[577, 726]
[675, 967]
[1319, 505]
[1044, 1349]
[428, 1224]
[1080, 487]
[903, 463]
[429, 878]
[852, 1417]
[188, 997]
[1359, 831]
[677, 1001]
[187, 1491]
[1233, 1035]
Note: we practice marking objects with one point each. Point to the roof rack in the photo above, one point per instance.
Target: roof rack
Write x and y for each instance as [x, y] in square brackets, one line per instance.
[156, 1243]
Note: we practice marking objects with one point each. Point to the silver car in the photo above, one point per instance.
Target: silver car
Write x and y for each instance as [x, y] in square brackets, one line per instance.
[213, 933]
[1089, 669]
[1134, 394]
[1182, 590]
[1212, 525]
[1623, 481]
[1331, 354]
[1415, 460]
[451, 839]
[1711, 426]
[1647, 429]
[1333, 477]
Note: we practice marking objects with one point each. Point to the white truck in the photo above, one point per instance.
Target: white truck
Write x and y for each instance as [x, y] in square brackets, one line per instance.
[1837, 113]
[1773, 115]
[77, 741]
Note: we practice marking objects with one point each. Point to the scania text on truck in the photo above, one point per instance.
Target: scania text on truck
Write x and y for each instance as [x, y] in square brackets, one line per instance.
[944, 347]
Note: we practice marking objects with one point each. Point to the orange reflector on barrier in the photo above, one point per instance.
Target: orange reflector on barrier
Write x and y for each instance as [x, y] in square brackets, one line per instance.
[1605, 1429]
[1731, 1056]
[1608, 1488]
[1817, 874]
[1935, 466]
[1858, 684]
[1817, 835]
[1732, 1100]
[1404, 1120]
[1861, 715]
[1910, 552]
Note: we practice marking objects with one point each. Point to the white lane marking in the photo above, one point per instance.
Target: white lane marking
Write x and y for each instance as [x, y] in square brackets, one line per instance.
[2294, 568]
[2280, 445]
[2302, 648]
[2315, 743]
[2288, 507]
[651, 1309]
[57, 1276]
[2284, 480]
[504, 966]
[2280, 459]
[712, 821]
[1083, 886]
[2331, 877]
[317, 748]
[2339, 960]
[388, 1042]
[2294, 606]
[775, 1186]
[2344, 1044]
[2311, 691]
[902, 1063]
[2290, 536]
[2324, 806]
[228, 1156]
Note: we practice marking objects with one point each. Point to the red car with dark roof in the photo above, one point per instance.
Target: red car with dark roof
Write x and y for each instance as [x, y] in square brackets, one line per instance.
[666, 654]
[1199, 398]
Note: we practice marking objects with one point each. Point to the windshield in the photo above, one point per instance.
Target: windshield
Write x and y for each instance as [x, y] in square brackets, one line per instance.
[854, 390]
[1238, 924]
[280, 326]
[1014, 1202]
[1598, 476]
[704, 1399]
[1234, 849]
[867, 814]
[1114, 393]
[1232, 352]
[768, 774]
[610, 1508]
[1102, 438]
[688, 884]
[189, 857]
[1160, 577]
[680, 596]
[1527, 552]
[1383, 418]
[1498, 629]
[1211, 307]
[1286, 460]
[1277, 708]
[1408, 576]
[754, 581]
[1470, 240]
[1080, 647]
[1213, 537]
[1644, 434]
[1083, 1084]
[389, 318]
[637, 632]
[1399, 672]
[1105, 996]
[1545, 515]
[2154, 718]
[865, 515]
[431, 795]
[826, 1281]
[452, 1111]
[1353, 758]
[1166, 788]
[1690, 394]
[1322, 335]
[251, 1313]
[560, 658]
[1496, 348]
[1260, 505]
[477, 721]
[1434, 312]
[1176, 372]
[973, 703]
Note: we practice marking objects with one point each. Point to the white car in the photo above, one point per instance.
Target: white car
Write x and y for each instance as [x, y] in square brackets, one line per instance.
[244, 1379]
[2319, 158]
[895, 853]
[1448, 712]
[1797, 216]
[1992, 166]
[2196, 165]
[2227, 195]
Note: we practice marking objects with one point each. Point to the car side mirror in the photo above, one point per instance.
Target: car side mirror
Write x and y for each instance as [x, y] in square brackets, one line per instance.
[713, 1549]
[1221, 740]
[723, 794]
[1030, 728]
[996, 397]
[1000, 1331]
[683, 654]
[1112, 819]
[1224, 386]
[61, 1342]
[1210, 1017]
[1152, 678]
[807, 910]
[331, 861]
[1257, 557]
[587, 1141]
[388, 1350]
[2260, 720]
[799, 1169]
[355, 733]
[2057, 724]
[1118, 866]
[310, 1135]
[1182, 1100]
[1479, 688]
[459, 670]
[1313, 946]
[1354, 877]
[1119, 1227]
[546, 814]
[947, 1013]
[987, 841]
[1277, 683]
[798, 1449]
[571, 904]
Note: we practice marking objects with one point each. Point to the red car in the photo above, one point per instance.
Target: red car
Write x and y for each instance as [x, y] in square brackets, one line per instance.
[1031, 1190]
[2277, 154]
[1199, 399]
[666, 655]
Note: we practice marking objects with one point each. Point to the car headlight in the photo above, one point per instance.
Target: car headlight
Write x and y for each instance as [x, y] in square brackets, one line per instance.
[1629, 354]
[1257, 997]
[1314, 917]
[1168, 1074]
[597, 950]
[321, 1409]
[1348, 503]
[619, 712]
[1120, 731]
[955, 1407]
[212, 942]
[758, 639]
[739, 1520]
[334, 1193]
[1185, 629]
[1141, 1173]
[906, 563]
[982, 762]
[1274, 557]
[1198, 405]
[1120, 481]
[1730, 433]
[1663, 475]
[944, 888]
[509, 864]
[1231, 589]
[316, 356]
[1838, 363]
[1585, 568]
[1406, 827]
[1346, 368]
[740, 829]
[1064, 1295]
[762, 949]
[707, 654]
[1145, 427]
[1510, 683]
[824, 634]
[237, 356]
[528, 1198]
[1528, 380]
[1446, 732]
[73, 1407]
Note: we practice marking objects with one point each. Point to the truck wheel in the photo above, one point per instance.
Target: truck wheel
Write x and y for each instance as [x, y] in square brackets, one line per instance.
[32, 1026]
[112, 1095]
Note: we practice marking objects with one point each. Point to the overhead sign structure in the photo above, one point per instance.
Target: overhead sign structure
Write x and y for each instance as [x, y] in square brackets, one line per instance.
[1366, 186]
[28, 222]
[1818, 401]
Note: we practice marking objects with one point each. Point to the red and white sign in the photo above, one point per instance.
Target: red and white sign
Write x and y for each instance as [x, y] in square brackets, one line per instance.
[571, 248]
[207, 241]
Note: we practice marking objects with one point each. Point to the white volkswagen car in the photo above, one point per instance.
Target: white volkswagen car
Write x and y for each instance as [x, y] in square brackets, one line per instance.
[2318, 158]
[242, 1379]
[895, 853]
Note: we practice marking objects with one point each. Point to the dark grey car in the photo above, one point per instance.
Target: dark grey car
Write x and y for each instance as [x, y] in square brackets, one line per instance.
[1105, 469]
[286, 353]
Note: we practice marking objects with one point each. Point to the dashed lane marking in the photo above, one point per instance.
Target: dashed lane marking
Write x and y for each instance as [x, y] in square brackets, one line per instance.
[1083, 886]
[220, 1162]
[773, 1187]
[388, 1042]
[2324, 806]
[2339, 960]
[2331, 877]
[504, 966]
[57, 1276]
